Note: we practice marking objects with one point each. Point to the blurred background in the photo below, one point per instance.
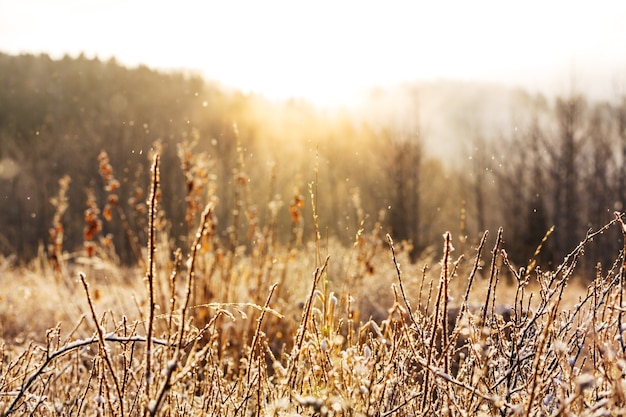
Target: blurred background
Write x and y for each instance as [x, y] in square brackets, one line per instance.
[421, 116]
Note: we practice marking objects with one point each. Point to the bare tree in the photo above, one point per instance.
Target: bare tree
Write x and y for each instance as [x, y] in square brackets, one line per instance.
[601, 166]
[565, 153]
[406, 154]
[621, 134]
[521, 181]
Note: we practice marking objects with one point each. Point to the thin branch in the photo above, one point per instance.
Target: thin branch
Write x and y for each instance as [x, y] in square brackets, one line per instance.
[151, 269]
[399, 274]
[51, 357]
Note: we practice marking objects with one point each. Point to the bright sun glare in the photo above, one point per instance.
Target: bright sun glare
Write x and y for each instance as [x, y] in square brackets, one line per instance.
[327, 51]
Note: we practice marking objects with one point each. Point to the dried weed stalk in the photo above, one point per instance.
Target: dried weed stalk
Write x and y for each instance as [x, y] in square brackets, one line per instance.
[452, 344]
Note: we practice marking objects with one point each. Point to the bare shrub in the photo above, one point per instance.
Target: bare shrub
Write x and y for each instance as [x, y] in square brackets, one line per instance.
[214, 329]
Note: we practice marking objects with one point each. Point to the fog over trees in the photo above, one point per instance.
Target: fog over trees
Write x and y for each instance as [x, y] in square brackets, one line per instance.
[420, 159]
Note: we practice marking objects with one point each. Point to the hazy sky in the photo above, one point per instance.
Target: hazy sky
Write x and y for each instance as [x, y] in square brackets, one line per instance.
[325, 50]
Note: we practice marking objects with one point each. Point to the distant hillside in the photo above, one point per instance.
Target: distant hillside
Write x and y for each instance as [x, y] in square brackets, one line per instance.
[56, 116]
[414, 160]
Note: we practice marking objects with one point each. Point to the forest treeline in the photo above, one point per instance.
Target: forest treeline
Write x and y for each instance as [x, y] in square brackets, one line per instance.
[557, 162]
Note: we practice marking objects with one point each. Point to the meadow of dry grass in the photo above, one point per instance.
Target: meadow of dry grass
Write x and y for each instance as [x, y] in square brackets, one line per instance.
[240, 325]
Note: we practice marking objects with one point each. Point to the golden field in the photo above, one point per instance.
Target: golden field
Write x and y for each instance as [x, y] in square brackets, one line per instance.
[245, 326]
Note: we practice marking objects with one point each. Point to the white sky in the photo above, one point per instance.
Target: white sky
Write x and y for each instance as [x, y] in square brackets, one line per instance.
[326, 49]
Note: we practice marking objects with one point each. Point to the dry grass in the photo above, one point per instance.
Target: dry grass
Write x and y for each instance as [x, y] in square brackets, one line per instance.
[305, 328]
